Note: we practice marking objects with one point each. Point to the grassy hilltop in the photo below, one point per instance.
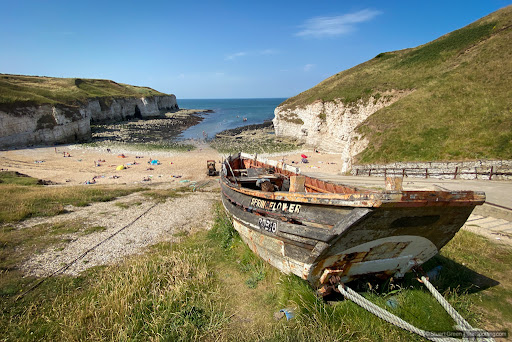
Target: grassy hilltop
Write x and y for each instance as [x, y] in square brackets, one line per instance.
[461, 105]
[34, 90]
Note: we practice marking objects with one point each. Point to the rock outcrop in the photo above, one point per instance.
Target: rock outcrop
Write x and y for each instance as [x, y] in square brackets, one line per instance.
[330, 126]
[49, 124]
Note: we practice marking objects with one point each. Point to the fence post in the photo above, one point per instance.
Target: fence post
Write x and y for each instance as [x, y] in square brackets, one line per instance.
[456, 171]
[426, 173]
[369, 172]
[490, 175]
[385, 173]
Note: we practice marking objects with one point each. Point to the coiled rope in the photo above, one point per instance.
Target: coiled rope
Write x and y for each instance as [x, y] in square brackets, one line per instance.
[469, 333]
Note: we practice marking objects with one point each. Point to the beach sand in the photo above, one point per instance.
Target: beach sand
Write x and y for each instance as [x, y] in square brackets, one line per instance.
[49, 163]
[159, 222]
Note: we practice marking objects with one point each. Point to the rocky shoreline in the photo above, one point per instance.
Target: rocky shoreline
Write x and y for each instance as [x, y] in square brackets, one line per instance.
[165, 128]
[257, 138]
[239, 130]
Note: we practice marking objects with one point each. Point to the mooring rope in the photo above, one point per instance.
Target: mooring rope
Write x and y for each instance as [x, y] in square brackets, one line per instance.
[444, 303]
[81, 256]
[462, 324]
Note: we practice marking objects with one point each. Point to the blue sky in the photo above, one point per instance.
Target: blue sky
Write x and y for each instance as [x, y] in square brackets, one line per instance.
[218, 49]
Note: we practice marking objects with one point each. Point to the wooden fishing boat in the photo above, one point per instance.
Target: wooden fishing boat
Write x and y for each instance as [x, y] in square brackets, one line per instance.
[327, 233]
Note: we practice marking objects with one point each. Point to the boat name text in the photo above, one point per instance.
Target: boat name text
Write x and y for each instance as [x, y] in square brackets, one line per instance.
[276, 206]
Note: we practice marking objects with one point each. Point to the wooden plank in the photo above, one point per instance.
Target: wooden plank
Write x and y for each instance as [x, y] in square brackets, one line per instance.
[300, 230]
[324, 215]
[297, 184]
[255, 178]
[317, 189]
[296, 253]
[283, 229]
[386, 222]
[357, 215]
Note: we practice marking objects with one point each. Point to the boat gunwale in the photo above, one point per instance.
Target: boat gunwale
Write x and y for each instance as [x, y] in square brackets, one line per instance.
[360, 197]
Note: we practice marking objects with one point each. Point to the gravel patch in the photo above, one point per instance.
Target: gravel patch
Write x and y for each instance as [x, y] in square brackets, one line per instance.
[189, 213]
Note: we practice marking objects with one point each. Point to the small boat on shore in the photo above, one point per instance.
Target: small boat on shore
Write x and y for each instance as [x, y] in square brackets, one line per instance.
[328, 233]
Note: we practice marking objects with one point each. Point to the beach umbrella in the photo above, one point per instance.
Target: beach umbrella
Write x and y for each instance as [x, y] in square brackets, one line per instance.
[303, 156]
[120, 167]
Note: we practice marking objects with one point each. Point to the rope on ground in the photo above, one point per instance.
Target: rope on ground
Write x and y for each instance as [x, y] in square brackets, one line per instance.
[196, 186]
[462, 325]
[387, 316]
[81, 256]
[451, 311]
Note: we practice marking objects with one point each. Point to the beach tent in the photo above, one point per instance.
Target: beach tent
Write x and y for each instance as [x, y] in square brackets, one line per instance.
[154, 162]
[120, 167]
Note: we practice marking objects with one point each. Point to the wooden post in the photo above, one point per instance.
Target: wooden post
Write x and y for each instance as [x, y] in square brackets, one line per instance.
[297, 184]
[490, 175]
[369, 172]
[456, 171]
[403, 173]
[394, 183]
[426, 173]
[385, 172]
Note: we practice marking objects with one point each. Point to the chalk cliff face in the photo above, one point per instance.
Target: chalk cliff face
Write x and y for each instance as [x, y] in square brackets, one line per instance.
[49, 124]
[330, 126]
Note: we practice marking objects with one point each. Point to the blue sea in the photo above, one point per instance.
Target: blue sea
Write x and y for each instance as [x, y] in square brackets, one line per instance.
[228, 114]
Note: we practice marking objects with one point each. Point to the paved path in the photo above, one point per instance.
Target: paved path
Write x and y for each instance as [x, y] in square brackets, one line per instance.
[493, 224]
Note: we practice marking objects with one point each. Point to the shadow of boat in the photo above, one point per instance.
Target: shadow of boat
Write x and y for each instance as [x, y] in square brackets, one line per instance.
[457, 277]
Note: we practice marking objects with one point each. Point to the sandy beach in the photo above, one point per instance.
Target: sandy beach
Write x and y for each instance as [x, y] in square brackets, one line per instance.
[81, 165]
[87, 163]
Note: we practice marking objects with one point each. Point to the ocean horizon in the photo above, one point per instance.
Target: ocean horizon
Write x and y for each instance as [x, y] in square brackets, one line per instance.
[228, 114]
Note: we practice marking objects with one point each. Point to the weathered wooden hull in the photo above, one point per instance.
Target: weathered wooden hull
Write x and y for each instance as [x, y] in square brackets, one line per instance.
[344, 234]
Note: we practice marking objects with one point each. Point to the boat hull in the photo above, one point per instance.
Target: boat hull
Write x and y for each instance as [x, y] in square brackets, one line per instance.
[332, 237]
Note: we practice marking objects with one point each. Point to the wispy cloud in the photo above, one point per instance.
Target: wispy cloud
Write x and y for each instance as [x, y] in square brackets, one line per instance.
[308, 67]
[235, 55]
[251, 53]
[268, 52]
[319, 27]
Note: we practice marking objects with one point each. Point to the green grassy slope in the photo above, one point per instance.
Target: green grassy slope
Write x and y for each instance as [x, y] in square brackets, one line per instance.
[461, 105]
[24, 90]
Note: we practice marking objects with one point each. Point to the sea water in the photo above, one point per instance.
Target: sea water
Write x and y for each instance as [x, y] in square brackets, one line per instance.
[228, 114]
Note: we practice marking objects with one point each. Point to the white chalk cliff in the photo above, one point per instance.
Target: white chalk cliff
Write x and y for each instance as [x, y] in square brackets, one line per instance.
[330, 126]
[49, 124]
